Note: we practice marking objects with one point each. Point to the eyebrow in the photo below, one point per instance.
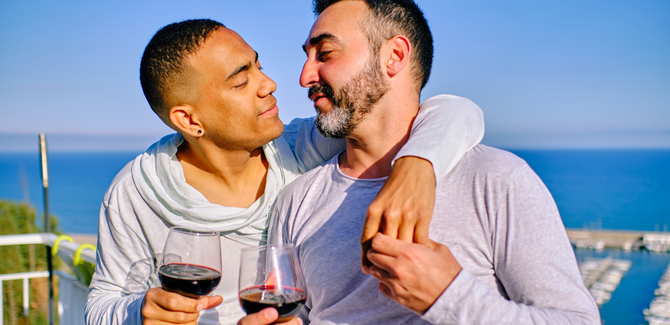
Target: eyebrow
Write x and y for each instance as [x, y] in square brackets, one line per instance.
[242, 68]
[320, 38]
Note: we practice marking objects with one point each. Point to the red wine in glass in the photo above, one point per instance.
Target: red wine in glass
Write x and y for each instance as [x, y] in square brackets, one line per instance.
[270, 276]
[189, 280]
[191, 262]
[285, 300]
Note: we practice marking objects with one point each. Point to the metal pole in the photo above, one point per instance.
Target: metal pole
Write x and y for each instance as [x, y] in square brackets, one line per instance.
[47, 221]
[2, 304]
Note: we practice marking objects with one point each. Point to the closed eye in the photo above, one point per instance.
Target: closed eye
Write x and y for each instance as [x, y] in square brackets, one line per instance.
[321, 56]
[242, 84]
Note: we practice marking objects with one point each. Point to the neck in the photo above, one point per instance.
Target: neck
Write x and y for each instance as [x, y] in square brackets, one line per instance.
[234, 178]
[371, 147]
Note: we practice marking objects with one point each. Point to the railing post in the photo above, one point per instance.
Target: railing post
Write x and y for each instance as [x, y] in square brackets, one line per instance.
[2, 304]
[26, 296]
[47, 221]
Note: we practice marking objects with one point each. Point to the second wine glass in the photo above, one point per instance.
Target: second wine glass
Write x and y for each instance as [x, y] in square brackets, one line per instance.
[270, 276]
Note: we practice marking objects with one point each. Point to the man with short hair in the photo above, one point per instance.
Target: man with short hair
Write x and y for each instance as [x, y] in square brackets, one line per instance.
[222, 171]
[498, 252]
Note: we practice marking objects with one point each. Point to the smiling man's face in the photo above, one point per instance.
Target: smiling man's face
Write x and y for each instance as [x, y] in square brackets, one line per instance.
[344, 77]
[231, 95]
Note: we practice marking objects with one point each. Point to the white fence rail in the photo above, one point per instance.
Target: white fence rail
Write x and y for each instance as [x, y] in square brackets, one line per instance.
[66, 249]
[72, 294]
[72, 297]
[25, 276]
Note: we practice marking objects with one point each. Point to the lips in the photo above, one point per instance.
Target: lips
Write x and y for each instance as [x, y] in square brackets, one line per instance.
[320, 93]
[317, 96]
[272, 109]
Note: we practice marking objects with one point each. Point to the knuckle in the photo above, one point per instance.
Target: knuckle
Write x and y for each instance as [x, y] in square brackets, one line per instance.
[425, 212]
[182, 318]
[409, 254]
[394, 288]
[375, 209]
[411, 214]
[402, 276]
[151, 293]
[393, 214]
[171, 302]
[146, 313]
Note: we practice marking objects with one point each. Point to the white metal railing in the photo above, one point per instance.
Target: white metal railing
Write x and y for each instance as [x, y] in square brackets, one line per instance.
[66, 251]
[72, 297]
[25, 276]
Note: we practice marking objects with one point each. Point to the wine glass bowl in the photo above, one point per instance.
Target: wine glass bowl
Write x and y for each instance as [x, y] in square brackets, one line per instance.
[270, 276]
[191, 262]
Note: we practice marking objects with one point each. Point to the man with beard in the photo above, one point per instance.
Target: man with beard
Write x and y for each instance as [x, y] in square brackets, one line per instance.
[498, 252]
[223, 170]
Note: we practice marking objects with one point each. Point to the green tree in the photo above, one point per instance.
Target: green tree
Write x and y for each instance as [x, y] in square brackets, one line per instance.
[19, 218]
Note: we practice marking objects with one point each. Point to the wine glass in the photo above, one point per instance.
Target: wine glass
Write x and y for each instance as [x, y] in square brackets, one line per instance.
[191, 262]
[270, 276]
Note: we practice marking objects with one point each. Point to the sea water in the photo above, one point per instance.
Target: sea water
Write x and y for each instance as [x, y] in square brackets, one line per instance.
[607, 189]
[636, 290]
[77, 184]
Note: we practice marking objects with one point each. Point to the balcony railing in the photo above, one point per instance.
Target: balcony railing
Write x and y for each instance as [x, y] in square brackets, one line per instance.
[72, 294]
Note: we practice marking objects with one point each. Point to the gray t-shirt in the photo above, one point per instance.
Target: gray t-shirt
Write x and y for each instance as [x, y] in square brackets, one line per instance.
[492, 211]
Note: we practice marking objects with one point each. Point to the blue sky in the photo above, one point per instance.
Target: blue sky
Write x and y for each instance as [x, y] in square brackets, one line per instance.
[548, 74]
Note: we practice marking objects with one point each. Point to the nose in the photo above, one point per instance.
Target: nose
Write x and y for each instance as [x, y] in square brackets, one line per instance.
[310, 74]
[268, 86]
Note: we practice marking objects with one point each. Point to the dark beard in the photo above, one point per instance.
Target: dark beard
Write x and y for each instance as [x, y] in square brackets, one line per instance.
[352, 102]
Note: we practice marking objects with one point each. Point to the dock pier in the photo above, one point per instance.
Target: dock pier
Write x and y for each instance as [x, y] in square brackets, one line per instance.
[623, 239]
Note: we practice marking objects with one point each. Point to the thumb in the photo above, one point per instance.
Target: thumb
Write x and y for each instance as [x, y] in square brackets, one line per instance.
[209, 302]
[265, 316]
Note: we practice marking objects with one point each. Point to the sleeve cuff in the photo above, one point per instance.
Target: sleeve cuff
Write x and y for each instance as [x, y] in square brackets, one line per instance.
[134, 309]
[445, 310]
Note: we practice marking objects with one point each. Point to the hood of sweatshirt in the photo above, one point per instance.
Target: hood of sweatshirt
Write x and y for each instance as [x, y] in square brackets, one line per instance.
[159, 178]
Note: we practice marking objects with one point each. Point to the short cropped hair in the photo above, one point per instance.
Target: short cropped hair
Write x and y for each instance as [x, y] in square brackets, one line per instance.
[164, 59]
[394, 17]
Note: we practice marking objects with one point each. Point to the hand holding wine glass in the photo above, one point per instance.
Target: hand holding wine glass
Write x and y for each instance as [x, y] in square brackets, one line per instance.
[270, 277]
[189, 270]
[267, 316]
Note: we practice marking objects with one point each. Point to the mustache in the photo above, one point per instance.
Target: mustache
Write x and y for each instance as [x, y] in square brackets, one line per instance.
[324, 89]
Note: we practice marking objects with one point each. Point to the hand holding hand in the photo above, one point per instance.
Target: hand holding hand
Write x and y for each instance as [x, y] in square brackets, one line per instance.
[411, 274]
[266, 316]
[404, 206]
[164, 307]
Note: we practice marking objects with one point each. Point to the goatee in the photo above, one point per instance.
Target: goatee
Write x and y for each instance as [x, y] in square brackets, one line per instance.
[351, 103]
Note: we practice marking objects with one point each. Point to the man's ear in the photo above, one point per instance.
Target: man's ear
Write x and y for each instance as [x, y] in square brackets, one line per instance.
[398, 54]
[185, 121]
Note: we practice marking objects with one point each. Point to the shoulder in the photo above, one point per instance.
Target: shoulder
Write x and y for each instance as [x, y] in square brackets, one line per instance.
[494, 158]
[311, 182]
[444, 99]
[297, 123]
[493, 164]
[121, 184]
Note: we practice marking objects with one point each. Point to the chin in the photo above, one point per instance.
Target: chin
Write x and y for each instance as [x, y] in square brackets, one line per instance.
[273, 132]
